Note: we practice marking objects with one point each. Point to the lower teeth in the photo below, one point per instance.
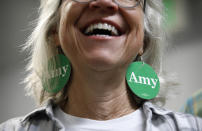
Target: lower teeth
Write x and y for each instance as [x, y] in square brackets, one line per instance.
[98, 35]
[101, 35]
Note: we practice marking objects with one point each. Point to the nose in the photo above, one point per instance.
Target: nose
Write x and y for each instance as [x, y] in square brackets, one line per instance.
[106, 5]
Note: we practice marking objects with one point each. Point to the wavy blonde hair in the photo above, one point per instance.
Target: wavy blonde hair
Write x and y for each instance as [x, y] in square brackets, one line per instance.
[41, 47]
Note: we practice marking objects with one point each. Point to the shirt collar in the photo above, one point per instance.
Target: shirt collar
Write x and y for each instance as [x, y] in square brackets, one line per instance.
[150, 108]
[47, 111]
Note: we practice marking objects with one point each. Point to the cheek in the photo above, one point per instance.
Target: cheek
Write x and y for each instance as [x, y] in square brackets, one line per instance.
[69, 16]
[135, 20]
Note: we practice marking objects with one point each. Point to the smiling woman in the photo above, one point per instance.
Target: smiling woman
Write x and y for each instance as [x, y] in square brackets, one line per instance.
[84, 70]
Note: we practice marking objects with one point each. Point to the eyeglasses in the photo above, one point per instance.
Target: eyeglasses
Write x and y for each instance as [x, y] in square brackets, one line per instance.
[128, 4]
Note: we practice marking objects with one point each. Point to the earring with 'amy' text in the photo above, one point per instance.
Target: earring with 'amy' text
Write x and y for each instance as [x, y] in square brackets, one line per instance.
[58, 73]
[142, 80]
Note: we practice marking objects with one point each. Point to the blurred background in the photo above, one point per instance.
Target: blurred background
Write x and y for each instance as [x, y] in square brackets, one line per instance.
[183, 56]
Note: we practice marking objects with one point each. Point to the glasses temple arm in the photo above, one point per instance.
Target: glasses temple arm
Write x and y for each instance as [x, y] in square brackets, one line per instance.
[144, 6]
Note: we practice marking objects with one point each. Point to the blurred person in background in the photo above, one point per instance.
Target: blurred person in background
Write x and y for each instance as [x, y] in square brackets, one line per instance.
[193, 105]
[91, 69]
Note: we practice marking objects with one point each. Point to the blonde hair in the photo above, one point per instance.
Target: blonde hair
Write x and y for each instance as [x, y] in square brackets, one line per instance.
[42, 47]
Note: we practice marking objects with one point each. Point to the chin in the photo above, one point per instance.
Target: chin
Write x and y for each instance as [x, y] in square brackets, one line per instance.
[102, 63]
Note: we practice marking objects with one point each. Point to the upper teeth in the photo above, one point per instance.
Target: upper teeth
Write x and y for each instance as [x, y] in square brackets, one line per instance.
[104, 26]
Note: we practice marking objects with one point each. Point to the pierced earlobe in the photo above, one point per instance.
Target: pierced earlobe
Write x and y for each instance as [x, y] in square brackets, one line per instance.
[141, 51]
[56, 39]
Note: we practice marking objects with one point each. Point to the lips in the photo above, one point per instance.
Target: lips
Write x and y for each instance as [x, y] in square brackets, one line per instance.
[102, 28]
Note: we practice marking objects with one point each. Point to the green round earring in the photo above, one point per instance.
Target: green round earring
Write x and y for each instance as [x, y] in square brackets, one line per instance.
[142, 80]
[59, 70]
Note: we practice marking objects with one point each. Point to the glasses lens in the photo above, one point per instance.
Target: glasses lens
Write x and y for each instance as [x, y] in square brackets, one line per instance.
[122, 3]
[83, 1]
[128, 3]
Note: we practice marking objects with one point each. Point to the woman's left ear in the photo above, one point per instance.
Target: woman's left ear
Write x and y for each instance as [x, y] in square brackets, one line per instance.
[141, 51]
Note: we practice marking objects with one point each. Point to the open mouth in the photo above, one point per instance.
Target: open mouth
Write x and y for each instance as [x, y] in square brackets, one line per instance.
[101, 29]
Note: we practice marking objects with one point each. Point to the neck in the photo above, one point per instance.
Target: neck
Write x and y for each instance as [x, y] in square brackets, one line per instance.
[99, 96]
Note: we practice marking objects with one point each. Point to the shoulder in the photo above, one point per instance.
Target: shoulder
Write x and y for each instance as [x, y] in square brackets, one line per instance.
[173, 120]
[40, 119]
[183, 121]
[11, 125]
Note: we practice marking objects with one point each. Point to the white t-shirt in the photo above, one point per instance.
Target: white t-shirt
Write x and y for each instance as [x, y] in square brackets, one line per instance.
[134, 121]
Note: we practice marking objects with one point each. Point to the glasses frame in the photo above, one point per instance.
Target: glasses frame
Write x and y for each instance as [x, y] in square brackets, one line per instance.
[132, 7]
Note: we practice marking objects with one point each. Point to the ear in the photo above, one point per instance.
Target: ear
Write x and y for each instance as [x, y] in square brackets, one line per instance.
[141, 51]
[55, 36]
[56, 39]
